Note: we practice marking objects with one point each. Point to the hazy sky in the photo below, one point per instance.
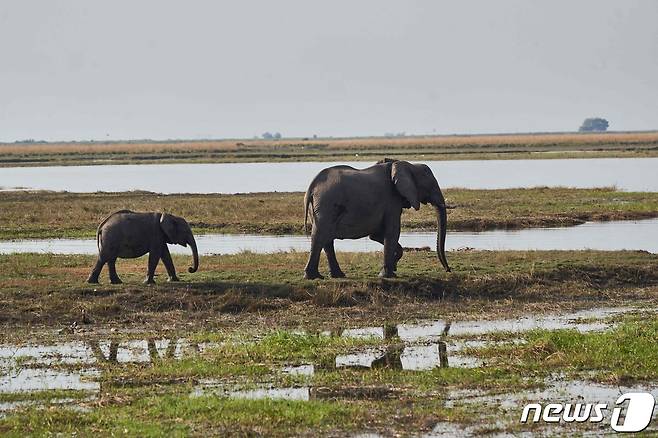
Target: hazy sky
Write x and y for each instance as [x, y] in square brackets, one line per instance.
[84, 69]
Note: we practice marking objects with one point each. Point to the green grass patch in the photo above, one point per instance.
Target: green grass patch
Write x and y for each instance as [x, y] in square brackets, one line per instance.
[181, 415]
[626, 353]
[43, 396]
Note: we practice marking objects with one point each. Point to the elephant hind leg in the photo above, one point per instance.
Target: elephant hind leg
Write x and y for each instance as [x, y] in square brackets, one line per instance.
[334, 267]
[96, 272]
[114, 278]
[318, 241]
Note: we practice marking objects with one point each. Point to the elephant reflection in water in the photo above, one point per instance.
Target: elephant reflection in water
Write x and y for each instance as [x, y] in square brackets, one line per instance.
[170, 352]
[392, 358]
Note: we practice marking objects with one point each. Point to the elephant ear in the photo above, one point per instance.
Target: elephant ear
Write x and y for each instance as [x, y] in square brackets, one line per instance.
[403, 179]
[169, 227]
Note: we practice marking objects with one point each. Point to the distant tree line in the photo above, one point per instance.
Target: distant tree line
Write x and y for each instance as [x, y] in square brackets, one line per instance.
[30, 140]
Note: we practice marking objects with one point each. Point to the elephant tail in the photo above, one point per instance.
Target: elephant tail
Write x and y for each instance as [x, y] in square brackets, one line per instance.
[308, 199]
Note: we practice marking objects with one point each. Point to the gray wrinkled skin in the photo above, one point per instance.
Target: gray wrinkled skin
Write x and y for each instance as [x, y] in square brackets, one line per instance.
[128, 234]
[346, 203]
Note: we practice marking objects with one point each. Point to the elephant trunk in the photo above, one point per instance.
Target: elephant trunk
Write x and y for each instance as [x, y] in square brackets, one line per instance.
[195, 254]
[442, 223]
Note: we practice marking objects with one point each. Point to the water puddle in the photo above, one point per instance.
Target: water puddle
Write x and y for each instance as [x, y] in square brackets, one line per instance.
[606, 236]
[216, 388]
[582, 321]
[74, 404]
[74, 366]
[366, 332]
[421, 357]
[431, 344]
[299, 370]
[212, 387]
[560, 390]
[632, 174]
[557, 390]
[43, 379]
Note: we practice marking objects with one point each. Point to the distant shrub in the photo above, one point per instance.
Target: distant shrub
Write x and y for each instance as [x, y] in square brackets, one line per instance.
[269, 136]
[594, 124]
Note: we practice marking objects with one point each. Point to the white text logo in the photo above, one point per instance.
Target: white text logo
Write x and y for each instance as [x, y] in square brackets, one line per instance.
[636, 406]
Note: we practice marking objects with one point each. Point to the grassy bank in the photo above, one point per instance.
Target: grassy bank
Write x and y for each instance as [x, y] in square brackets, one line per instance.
[49, 290]
[47, 214]
[509, 146]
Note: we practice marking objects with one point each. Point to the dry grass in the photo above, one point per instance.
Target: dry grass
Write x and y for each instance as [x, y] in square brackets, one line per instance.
[47, 214]
[50, 290]
[441, 147]
[446, 141]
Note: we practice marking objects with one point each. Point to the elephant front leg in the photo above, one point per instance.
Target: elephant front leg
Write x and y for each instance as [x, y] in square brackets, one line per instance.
[154, 258]
[388, 270]
[169, 264]
[391, 252]
[398, 255]
[398, 251]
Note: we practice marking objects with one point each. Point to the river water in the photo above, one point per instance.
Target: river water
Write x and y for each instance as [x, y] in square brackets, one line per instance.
[630, 174]
[613, 235]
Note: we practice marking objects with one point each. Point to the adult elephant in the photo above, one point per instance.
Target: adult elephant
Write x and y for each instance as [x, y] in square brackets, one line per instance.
[348, 203]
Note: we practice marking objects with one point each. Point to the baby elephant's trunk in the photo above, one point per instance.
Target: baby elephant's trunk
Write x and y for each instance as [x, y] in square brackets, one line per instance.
[195, 254]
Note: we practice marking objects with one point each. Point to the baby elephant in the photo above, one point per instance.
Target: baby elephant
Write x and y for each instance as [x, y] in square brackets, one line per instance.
[128, 235]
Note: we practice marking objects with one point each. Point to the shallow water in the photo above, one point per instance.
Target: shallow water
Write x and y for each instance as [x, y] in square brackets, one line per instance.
[412, 357]
[34, 367]
[425, 345]
[416, 347]
[583, 321]
[558, 389]
[431, 344]
[609, 236]
[631, 174]
[40, 379]
[217, 388]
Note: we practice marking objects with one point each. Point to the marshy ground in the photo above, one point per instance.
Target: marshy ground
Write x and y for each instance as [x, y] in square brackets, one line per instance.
[246, 346]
